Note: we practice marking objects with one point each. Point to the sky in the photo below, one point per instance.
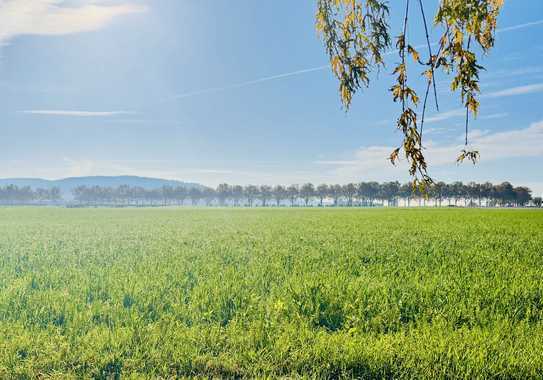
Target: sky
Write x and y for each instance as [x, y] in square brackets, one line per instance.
[216, 91]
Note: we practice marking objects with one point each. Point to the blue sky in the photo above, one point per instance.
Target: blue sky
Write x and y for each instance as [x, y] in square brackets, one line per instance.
[238, 91]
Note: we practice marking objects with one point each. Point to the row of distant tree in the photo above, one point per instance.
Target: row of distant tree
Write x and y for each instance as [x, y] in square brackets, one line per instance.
[353, 194]
[12, 195]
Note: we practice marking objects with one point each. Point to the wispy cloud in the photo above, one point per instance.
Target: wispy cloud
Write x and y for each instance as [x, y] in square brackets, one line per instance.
[445, 115]
[522, 71]
[54, 17]
[494, 116]
[514, 91]
[520, 26]
[438, 131]
[459, 112]
[247, 83]
[76, 113]
[337, 162]
[373, 161]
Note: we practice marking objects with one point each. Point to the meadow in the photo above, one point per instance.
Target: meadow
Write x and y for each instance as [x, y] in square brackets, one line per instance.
[298, 293]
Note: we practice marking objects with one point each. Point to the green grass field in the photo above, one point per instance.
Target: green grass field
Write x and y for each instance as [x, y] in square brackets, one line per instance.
[165, 293]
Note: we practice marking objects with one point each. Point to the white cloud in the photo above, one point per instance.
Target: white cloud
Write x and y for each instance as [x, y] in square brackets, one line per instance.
[459, 112]
[53, 17]
[527, 142]
[336, 162]
[445, 115]
[372, 162]
[507, 73]
[435, 118]
[493, 116]
[514, 91]
[76, 113]
[429, 131]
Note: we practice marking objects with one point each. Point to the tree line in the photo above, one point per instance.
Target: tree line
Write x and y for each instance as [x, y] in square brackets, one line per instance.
[363, 194]
[14, 195]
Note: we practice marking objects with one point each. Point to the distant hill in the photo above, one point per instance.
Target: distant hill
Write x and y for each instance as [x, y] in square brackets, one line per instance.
[66, 185]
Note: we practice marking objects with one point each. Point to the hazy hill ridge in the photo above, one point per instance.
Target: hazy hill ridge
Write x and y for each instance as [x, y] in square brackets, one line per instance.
[66, 185]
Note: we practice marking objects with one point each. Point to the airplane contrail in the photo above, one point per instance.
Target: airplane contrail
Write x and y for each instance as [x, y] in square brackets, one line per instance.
[520, 26]
[248, 83]
[313, 69]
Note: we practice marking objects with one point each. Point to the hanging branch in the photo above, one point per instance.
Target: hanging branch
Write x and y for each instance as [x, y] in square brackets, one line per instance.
[467, 103]
[471, 104]
[424, 109]
[356, 35]
[436, 62]
[431, 77]
[407, 122]
[402, 42]
[432, 60]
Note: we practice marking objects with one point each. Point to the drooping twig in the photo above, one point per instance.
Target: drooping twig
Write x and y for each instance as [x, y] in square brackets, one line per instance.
[432, 63]
[467, 103]
[402, 53]
[424, 110]
[467, 122]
